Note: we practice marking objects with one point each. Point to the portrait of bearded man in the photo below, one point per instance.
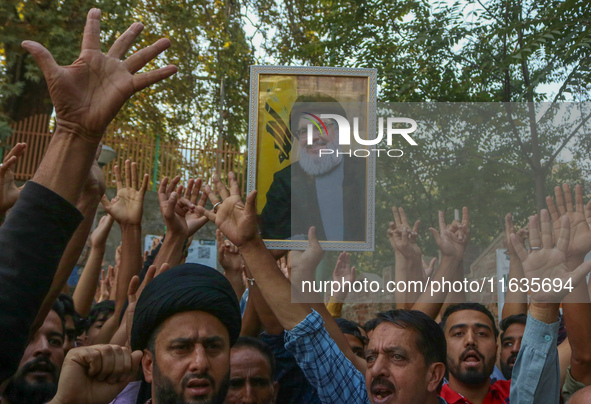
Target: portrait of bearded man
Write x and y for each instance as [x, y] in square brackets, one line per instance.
[325, 190]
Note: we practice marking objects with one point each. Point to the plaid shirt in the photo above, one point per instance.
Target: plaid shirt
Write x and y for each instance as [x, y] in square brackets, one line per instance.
[327, 369]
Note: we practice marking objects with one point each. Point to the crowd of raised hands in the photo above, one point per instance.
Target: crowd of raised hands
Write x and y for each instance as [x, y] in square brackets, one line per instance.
[57, 208]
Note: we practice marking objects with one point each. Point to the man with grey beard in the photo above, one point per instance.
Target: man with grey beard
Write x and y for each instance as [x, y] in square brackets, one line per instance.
[323, 190]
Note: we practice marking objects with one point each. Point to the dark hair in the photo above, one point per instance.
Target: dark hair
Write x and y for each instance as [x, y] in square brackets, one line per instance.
[371, 325]
[430, 338]
[58, 307]
[351, 328]
[249, 342]
[513, 319]
[469, 306]
[106, 307]
[69, 310]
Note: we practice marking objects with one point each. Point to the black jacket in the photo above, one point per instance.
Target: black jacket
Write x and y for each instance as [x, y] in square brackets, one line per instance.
[32, 241]
[276, 217]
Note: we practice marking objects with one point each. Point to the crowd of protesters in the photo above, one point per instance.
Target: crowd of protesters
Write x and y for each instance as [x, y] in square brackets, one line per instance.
[154, 329]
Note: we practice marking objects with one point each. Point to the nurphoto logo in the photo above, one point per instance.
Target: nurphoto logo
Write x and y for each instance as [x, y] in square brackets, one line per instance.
[327, 126]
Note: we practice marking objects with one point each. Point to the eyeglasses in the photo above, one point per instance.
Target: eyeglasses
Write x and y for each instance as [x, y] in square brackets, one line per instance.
[302, 132]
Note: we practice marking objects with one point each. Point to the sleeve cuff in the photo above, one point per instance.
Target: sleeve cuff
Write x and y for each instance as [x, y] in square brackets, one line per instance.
[542, 335]
[310, 325]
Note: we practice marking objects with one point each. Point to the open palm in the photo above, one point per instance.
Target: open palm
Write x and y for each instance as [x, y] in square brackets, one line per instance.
[88, 94]
[579, 218]
[128, 206]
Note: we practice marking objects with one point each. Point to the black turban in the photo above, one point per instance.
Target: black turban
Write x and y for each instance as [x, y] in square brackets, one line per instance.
[187, 287]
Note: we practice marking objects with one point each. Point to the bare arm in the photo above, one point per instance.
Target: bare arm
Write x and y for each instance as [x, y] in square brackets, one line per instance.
[238, 222]
[576, 305]
[452, 242]
[127, 209]
[86, 96]
[515, 301]
[86, 287]
[407, 255]
[232, 263]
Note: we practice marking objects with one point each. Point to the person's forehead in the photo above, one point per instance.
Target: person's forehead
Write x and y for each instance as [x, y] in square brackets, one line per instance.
[192, 324]
[247, 361]
[69, 322]
[103, 315]
[388, 335]
[515, 330]
[469, 318]
[53, 323]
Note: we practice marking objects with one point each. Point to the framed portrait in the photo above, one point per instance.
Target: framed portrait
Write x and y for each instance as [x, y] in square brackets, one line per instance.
[306, 156]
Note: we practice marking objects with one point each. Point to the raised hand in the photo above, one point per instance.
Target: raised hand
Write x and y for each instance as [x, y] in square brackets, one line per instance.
[99, 236]
[547, 262]
[285, 267]
[428, 269]
[228, 254]
[105, 287]
[580, 221]
[343, 272]
[522, 234]
[88, 94]
[236, 220]
[96, 374]
[452, 240]
[9, 192]
[195, 219]
[169, 198]
[402, 237]
[304, 263]
[127, 206]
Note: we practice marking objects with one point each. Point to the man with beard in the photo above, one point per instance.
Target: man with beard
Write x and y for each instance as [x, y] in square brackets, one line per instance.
[251, 376]
[186, 320]
[512, 329]
[35, 381]
[471, 336]
[406, 355]
[326, 191]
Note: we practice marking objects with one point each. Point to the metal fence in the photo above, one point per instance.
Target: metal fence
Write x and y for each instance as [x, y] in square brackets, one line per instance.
[195, 156]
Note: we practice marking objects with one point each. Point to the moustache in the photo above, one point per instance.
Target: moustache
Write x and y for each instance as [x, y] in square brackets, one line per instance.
[41, 364]
[512, 358]
[382, 382]
[471, 352]
[192, 376]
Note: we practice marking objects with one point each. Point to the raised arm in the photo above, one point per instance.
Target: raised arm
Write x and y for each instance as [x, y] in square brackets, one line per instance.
[536, 375]
[8, 189]
[86, 96]
[407, 255]
[86, 287]
[452, 242]
[181, 218]
[238, 223]
[232, 263]
[343, 272]
[126, 208]
[576, 305]
[516, 299]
